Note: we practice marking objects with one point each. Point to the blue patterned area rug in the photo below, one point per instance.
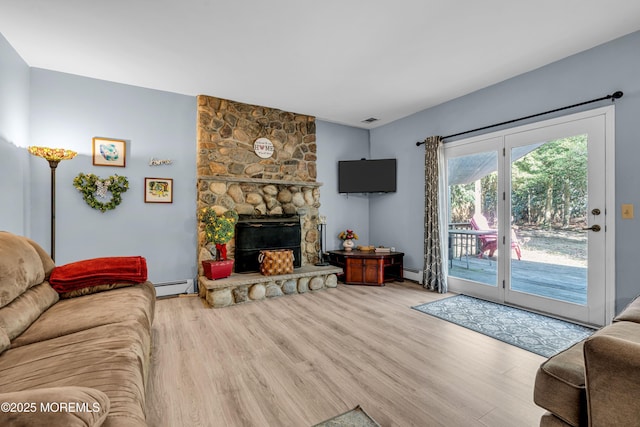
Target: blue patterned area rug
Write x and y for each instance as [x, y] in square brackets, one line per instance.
[533, 332]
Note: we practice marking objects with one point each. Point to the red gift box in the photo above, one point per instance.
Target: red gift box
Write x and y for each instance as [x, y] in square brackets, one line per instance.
[217, 269]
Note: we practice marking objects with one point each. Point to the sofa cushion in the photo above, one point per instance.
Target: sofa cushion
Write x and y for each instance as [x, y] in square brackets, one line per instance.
[631, 313]
[94, 290]
[5, 343]
[560, 381]
[41, 407]
[68, 316]
[47, 263]
[20, 267]
[559, 386]
[99, 271]
[112, 358]
[550, 420]
[612, 367]
[624, 330]
[16, 317]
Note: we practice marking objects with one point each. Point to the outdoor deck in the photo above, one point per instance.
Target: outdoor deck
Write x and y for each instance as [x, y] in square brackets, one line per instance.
[561, 282]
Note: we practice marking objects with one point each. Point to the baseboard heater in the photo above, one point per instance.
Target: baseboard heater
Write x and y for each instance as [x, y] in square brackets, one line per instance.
[174, 288]
[413, 275]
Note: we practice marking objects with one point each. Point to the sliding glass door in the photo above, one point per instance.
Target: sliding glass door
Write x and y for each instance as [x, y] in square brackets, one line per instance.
[527, 217]
[472, 182]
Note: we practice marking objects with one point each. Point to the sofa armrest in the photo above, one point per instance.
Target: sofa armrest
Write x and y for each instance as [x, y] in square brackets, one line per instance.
[612, 370]
[56, 406]
[631, 312]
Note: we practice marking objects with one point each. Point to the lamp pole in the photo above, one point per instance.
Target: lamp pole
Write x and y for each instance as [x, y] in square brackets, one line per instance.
[53, 164]
[53, 156]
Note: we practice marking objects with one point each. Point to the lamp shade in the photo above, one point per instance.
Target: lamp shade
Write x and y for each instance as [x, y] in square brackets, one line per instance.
[55, 154]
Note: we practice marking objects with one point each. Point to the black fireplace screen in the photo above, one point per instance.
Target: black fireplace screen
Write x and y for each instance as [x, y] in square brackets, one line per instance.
[254, 234]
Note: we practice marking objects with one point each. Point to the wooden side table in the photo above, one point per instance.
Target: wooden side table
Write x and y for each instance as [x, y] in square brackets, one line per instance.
[368, 268]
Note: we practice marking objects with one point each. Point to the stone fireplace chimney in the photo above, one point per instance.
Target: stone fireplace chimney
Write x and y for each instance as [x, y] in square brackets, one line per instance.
[231, 176]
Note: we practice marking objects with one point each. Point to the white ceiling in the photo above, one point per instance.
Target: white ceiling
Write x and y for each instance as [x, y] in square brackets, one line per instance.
[340, 60]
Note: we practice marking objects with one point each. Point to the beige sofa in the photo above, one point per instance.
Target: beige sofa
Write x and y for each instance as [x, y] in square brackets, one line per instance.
[596, 382]
[80, 361]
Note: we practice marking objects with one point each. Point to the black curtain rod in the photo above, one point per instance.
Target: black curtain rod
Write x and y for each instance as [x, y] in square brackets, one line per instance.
[613, 97]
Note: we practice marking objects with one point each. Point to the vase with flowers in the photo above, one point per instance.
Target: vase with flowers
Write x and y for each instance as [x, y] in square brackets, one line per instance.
[347, 236]
[218, 229]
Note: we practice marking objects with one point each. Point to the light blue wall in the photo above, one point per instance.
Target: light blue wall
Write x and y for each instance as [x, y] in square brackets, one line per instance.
[14, 138]
[56, 109]
[338, 142]
[42, 107]
[587, 75]
[68, 111]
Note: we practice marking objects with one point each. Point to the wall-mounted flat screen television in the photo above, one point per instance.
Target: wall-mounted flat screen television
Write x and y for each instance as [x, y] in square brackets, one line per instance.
[367, 176]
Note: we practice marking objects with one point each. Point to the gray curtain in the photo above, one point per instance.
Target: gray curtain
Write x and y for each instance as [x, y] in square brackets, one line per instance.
[435, 240]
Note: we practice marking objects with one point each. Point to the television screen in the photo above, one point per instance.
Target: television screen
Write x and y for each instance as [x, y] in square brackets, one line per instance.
[367, 176]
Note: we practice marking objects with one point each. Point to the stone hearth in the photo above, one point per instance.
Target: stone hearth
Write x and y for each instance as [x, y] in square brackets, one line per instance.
[240, 288]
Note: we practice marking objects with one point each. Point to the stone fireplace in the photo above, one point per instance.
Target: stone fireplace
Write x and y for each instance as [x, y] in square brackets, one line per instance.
[231, 176]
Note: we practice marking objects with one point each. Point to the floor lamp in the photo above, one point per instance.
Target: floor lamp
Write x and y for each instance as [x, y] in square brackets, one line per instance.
[53, 156]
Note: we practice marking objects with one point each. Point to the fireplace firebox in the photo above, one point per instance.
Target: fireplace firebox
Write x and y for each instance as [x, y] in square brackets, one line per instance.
[255, 233]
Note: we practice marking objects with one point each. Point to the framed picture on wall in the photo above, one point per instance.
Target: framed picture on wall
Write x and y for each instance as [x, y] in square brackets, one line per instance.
[158, 190]
[109, 152]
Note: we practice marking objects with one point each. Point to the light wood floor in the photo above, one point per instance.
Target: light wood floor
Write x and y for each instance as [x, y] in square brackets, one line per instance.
[300, 359]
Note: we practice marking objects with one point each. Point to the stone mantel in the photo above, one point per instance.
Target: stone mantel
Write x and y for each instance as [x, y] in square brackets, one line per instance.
[241, 179]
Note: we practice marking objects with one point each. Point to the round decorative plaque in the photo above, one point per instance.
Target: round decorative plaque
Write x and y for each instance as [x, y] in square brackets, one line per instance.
[263, 148]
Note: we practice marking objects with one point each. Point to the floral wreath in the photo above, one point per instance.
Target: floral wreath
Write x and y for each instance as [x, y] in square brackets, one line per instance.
[90, 186]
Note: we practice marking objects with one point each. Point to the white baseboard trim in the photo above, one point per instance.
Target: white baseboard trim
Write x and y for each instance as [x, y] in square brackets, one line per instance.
[415, 275]
[174, 288]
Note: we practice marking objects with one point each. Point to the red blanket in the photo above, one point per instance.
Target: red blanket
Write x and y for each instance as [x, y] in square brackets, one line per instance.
[98, 271]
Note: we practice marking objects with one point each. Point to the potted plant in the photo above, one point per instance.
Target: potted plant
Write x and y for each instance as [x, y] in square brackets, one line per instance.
[347, 237]
[219, 230]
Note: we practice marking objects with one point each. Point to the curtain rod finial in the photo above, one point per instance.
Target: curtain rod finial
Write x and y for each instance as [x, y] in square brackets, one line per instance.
[616, 95]
[419, 143]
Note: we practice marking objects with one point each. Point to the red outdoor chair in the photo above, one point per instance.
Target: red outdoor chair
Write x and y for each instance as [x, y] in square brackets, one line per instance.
[489, 242]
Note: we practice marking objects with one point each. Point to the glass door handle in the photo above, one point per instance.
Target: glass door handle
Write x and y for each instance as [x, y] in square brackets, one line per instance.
[593, 228]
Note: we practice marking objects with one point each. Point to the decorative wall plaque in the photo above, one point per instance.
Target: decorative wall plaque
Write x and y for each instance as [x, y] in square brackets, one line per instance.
[159, 162]
[263, 148]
